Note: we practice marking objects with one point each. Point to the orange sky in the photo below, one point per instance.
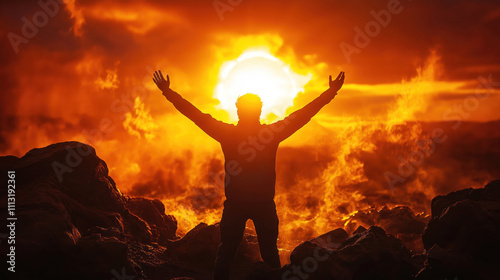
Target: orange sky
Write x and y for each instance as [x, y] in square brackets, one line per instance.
[85, 74]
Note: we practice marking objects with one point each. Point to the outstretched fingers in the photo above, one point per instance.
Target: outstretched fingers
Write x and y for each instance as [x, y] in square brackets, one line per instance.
[156, 77]
[339, 76]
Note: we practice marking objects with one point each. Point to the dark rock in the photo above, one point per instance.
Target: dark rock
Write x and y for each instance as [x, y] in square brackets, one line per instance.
[72, 221]
[368, 254]
[98, 257]
[462, 238]
[490, 194]
[321, 245]
[197, 250]
[262, 271]
[360, 229]
[75, 170]
[419, 261]
[163, 227]
[399, 221]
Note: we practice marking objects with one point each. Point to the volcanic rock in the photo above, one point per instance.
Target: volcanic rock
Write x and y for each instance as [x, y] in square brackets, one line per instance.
[163, 227]
[463, 236]
[72, 221]
[399, 221]
[197, 250]
[367, 254]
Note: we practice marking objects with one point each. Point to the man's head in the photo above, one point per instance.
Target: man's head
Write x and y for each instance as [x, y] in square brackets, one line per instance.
[249, 107]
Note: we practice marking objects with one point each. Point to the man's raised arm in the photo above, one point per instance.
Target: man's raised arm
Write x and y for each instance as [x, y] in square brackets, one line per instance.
[299, 118]
[206, 122]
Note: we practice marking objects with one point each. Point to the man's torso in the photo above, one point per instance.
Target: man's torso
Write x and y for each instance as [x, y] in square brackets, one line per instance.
[250, 159]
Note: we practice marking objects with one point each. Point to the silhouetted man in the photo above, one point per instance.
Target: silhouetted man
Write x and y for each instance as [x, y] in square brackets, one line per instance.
[250, 157]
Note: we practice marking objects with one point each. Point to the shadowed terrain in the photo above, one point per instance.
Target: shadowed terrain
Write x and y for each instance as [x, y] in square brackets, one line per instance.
[73, 223]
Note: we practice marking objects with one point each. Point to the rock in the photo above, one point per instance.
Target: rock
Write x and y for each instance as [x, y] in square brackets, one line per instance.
[75, 170]
[321, 245]
[489, 196]
[360, 229]
[163, 227]
[99, 257]
[197, 250]
[368, 254]
[73, 222]
[399, 221]
[262, 271]
[462, 238]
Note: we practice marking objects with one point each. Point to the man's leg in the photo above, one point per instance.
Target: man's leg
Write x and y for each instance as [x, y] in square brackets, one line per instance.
[232, 227]
[266, 222]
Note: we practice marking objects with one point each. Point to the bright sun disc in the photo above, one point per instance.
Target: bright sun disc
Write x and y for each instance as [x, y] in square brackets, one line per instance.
[261, 73]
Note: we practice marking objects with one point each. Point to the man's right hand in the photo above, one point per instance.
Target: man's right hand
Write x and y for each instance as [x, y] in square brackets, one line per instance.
[161, 83]
[338, 82]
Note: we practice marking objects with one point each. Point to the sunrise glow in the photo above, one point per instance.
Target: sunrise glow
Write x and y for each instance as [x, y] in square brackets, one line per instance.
[261, 73]
[425, 70]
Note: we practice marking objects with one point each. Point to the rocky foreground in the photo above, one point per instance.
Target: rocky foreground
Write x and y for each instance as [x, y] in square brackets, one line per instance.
[73, 223]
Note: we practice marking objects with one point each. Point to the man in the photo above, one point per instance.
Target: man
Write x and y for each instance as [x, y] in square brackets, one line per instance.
[250, 156]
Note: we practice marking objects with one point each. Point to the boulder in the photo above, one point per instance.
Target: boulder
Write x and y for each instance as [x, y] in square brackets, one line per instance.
[72, 221]
[462, 238]
[197, 250]
[163, 227]
[367, 254]
[399, 221]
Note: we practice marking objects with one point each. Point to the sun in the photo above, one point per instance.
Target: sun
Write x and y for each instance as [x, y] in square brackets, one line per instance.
[261, 73]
